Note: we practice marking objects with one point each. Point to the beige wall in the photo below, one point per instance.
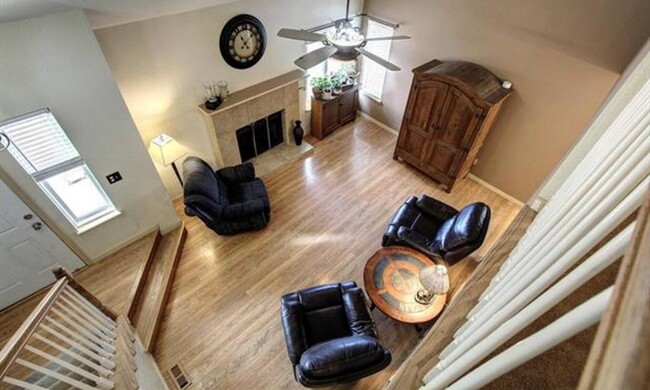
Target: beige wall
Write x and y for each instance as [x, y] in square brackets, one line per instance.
[161, 64]
[54, 61]
[562, 57]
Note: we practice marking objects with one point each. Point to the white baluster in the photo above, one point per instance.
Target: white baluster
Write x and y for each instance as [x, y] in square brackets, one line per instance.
[81, 337]
[22, 384]
[111, 324]
[69, 351]
[570, 324]
[87, 308]
[571, 232]
[481, 343]
[83, 322]
[544, 273]
[89, 318]
[104, 358]
[85, 332]
[101, 382]
[54, 374]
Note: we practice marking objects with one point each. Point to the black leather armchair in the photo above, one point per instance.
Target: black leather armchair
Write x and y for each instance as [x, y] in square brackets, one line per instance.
[331, 336]
[437, 229]
[228, 201]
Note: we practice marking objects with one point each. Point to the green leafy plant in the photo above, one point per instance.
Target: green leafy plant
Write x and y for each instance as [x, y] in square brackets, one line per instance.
[349, 70]
[319, 82]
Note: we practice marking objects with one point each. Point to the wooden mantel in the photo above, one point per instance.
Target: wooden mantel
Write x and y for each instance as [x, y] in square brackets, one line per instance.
[256, 90]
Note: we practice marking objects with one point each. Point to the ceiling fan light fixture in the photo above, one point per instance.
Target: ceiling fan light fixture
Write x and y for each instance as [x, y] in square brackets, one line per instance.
[346, 35]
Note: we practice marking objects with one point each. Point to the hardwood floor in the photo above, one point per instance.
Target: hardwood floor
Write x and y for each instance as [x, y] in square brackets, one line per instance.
[329, 211]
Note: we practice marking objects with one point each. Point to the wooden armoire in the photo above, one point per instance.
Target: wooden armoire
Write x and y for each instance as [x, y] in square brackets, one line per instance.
[450, 111]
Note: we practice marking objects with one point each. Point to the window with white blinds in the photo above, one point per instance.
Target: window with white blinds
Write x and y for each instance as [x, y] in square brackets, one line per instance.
[373, 75]
[39, 144]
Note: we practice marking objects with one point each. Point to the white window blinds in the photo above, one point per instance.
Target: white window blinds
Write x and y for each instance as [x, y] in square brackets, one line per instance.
[373, 74]
[38, 142]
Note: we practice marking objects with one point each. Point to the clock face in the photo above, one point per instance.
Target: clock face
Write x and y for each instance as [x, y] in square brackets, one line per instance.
[243, 41]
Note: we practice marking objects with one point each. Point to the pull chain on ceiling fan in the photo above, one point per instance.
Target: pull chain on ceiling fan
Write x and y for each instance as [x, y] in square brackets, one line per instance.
[345, 44]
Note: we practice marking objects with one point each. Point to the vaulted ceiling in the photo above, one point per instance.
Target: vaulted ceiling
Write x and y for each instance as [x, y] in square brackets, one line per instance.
[102, 13]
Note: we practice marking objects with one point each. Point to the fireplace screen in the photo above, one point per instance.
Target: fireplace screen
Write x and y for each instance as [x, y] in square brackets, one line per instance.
[260, 136]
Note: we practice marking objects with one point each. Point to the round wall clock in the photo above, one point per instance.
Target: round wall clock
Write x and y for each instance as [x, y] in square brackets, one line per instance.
[242, 41]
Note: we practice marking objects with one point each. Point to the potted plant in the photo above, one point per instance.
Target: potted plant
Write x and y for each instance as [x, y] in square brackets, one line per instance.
[327, 88]
[351, 73]
[337, 80]
[317, 83]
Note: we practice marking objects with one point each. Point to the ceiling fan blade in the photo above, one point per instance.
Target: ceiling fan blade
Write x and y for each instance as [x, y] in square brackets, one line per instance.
[301, 35]
[378, 59]
[394, 38]
[315, 57]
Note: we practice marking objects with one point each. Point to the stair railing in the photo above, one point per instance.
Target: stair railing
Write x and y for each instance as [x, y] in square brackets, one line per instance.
[71, 339]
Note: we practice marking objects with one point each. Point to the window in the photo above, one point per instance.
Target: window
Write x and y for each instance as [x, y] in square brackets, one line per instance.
[373, 75]
[41, 147]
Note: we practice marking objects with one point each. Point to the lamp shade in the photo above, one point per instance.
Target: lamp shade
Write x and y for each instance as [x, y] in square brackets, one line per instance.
[165, 149]
[435, 279]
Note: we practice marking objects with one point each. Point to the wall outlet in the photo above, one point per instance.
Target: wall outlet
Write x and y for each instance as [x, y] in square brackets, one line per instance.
[114, 177]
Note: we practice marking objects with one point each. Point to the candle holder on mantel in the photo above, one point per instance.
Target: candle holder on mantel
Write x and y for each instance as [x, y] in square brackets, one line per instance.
[213, 100]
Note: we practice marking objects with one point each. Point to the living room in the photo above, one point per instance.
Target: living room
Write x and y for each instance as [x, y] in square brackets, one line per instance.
[117, 76]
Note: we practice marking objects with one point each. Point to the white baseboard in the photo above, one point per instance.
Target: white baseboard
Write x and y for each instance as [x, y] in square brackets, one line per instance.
[496, 190]
[381, 125]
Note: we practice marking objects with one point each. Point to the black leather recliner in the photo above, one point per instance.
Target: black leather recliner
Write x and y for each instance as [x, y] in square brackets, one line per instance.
[437, 229]
[228, 201]
[331, 336]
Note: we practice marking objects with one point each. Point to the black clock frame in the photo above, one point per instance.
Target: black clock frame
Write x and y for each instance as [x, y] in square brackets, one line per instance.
[224, 39]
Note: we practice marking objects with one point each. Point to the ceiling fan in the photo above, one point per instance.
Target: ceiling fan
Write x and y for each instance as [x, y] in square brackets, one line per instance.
[345, 44]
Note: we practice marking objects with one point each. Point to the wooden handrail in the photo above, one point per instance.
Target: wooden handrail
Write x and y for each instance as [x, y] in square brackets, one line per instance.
[18, 341]
[62, 273]
[620, 354]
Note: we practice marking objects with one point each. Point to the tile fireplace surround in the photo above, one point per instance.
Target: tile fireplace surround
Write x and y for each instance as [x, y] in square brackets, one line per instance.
[248, 105]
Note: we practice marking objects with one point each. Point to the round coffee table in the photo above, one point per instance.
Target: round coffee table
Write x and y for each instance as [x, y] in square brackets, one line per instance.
[391, 278]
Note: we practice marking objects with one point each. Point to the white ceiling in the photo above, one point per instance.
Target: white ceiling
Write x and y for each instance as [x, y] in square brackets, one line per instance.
[102, 13]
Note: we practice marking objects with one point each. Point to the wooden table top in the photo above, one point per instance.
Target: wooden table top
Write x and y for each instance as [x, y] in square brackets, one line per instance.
[391, 278]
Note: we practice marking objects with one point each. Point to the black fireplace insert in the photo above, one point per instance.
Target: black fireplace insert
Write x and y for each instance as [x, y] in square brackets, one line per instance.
[260, 136]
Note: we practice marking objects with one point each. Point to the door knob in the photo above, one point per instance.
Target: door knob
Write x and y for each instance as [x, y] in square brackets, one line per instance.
[37, 226]
[27, 217]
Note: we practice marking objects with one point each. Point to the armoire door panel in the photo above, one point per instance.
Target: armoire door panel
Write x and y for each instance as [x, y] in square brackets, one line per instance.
[424, 109]
[414, 144]
[442, 159]
[458, 121]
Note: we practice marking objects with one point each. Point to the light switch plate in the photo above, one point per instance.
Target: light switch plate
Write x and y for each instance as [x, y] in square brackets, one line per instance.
[114, 177]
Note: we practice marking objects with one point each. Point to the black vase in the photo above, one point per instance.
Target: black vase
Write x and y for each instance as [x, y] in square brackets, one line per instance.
[298, 133]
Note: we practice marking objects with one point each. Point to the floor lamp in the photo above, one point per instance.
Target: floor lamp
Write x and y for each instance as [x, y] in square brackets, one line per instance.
[165, 150]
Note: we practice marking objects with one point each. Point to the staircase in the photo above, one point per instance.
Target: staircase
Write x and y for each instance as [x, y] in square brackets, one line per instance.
[152, 285]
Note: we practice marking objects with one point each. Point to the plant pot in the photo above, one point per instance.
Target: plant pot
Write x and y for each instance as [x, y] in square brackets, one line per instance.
[337, 91]
[327, 93]
[318, 93]
[298, 133]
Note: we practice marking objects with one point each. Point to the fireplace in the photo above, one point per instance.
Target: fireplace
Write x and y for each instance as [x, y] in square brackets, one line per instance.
[260, 136]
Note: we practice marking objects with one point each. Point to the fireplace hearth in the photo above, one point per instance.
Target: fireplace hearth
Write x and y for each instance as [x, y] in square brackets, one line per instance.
[260, 136]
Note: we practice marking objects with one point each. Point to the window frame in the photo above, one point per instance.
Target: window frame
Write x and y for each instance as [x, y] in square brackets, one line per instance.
[81, 223]
[368, 64]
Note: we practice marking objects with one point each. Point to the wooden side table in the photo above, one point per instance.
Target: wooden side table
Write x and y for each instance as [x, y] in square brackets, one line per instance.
[391, 279]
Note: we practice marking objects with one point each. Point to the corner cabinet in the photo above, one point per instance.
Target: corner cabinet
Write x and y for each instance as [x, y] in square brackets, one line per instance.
[328, 115]
[450, 110]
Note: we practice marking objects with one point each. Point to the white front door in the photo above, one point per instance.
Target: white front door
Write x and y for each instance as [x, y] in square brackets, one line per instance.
[28, 250]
